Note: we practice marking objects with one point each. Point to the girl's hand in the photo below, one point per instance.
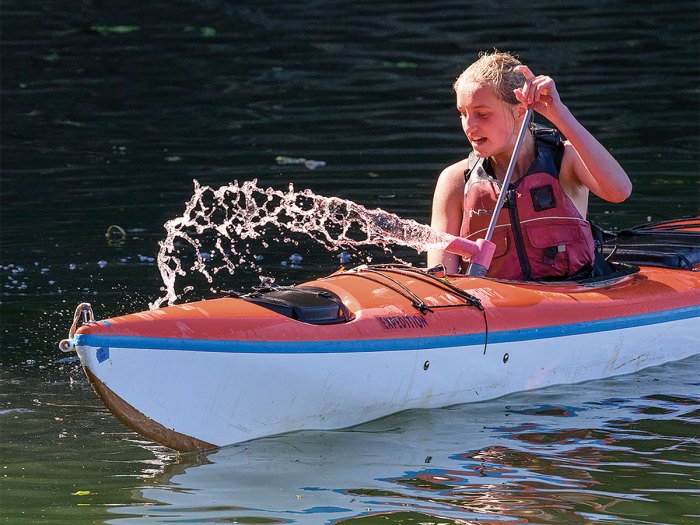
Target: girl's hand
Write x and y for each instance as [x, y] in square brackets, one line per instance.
[538, 92]
[586, 163]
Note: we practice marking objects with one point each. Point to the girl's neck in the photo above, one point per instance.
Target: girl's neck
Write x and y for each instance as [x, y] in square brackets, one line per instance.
[526, 157]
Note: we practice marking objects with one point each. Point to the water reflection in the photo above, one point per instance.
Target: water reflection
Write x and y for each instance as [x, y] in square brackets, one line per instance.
[570, 454]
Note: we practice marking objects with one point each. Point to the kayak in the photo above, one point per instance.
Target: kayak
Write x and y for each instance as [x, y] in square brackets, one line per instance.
[367, 342]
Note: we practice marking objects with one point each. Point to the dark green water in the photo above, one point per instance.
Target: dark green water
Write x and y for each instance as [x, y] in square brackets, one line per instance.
[109, 110]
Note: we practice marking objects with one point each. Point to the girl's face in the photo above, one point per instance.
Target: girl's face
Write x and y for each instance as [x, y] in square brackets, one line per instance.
[488, 122]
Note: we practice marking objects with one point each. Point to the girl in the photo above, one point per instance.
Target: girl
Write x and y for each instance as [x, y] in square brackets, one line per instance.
[543, 233]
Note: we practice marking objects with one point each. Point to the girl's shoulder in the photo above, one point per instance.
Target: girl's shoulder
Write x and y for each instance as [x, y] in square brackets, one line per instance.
[458, 169]
[451, 179]
[569, 178]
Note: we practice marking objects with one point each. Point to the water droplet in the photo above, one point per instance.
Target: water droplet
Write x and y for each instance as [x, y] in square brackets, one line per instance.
[313, 164]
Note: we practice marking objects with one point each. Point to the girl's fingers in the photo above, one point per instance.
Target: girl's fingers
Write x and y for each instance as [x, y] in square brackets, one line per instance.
[529, 75]
[537, 89]
[543, 87]
[543, 82]
[523, 94]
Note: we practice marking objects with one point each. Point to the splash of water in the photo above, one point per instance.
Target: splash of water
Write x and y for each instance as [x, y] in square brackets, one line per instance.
[226, 219]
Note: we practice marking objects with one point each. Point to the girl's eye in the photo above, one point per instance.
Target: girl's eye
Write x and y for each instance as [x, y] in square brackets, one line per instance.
[463, 114]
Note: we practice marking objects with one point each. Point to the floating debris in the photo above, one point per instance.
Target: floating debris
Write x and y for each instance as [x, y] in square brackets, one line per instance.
[309, 164]
[401, 64]
[114, 30]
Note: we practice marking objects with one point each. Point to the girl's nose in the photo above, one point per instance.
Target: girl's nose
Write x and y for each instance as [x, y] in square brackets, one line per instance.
[468, 124]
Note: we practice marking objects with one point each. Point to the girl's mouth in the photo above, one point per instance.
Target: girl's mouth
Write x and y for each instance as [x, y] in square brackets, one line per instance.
[478, 141]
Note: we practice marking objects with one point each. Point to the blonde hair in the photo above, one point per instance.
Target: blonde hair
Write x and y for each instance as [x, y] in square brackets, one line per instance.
[495, 70]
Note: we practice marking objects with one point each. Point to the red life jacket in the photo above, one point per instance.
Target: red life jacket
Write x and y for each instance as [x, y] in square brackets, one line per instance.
[541, 234]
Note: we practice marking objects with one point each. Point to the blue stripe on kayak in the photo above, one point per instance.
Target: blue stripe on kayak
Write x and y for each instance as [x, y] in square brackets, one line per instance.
[384, 345]
[588, 327]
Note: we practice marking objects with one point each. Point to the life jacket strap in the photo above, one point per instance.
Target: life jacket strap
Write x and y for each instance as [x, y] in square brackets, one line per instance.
[518, 234]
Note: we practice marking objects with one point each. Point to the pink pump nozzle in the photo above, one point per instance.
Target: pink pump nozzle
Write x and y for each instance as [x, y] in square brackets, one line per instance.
[479, 253]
